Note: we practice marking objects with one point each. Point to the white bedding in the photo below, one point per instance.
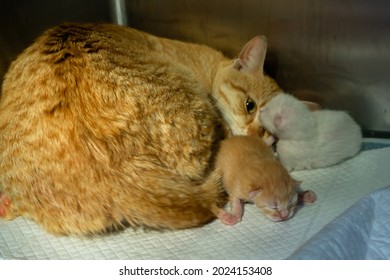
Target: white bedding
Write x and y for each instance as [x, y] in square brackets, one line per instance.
[361, 232]
[337, 187]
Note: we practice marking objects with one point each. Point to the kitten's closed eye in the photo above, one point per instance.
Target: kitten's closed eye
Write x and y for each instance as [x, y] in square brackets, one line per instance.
[294, 201]
[289, 206]
[278, 211]
[277, 214]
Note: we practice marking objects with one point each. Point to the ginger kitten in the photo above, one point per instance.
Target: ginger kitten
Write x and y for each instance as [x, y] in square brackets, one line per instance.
[103, 126]
[251, 173]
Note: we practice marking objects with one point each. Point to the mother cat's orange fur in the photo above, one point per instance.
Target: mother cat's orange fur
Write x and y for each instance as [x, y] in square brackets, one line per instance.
[103, 125]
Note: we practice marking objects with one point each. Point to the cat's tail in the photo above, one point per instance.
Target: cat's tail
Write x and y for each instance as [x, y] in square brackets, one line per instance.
[175, 202]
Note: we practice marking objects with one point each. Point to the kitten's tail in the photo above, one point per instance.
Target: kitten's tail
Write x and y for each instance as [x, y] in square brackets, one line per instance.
[177, 203]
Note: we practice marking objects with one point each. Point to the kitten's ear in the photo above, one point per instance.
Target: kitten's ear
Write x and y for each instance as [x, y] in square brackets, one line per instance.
[279, 120]
[252, 194]
[252, 56]
[312, 106]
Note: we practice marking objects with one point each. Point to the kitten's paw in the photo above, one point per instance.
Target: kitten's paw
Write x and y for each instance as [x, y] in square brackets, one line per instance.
[270, 140]
[228, 218]
[307, 197]
[5, 202]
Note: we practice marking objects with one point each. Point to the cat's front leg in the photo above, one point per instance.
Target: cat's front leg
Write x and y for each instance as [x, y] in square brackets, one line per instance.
[236, 207]
[228, 218]
[234, 216]
[269, 140]
[307, 197]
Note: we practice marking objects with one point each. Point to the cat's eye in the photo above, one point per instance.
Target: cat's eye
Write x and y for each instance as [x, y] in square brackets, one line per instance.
[250, 105]
[292, 204]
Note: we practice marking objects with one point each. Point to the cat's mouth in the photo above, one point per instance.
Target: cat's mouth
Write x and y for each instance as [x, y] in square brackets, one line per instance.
[283, 215]
[303, 198]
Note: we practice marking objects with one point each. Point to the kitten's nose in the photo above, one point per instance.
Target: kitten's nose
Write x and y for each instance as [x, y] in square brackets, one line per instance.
[284, 214]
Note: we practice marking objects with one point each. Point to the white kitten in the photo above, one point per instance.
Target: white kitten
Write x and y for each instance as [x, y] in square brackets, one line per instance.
[310, 139]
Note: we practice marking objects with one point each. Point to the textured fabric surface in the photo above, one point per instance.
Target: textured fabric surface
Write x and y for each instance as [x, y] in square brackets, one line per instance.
[361, 232]
[337, 188]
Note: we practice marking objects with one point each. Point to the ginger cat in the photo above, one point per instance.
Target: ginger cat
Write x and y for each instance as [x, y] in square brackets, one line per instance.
[103, 126]
[252, 173]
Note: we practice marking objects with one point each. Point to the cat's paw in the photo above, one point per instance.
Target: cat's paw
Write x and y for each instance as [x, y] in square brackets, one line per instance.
[270, 140]
[307, 197]
[5, 202]
[228, 218]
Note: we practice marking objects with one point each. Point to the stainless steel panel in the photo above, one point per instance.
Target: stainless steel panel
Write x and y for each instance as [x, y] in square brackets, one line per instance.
[336, 52]
[21, 21]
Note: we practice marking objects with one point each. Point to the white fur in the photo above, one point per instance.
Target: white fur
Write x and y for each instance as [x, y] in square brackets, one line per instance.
[310, 139]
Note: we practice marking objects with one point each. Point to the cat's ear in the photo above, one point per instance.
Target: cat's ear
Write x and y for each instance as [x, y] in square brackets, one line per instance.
[254, 193]
[252, 56]
[312, 106]
[279, 120]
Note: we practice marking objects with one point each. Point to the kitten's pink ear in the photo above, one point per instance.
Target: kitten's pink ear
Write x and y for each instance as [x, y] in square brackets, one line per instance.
[279, 120]
[253, 193]
[312, 106]
[252, 56]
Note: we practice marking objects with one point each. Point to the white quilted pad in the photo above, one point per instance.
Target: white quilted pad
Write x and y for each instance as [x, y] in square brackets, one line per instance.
[361, 232]
[337, 188]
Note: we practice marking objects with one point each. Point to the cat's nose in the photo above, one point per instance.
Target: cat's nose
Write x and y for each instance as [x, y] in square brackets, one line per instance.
[284, 214]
